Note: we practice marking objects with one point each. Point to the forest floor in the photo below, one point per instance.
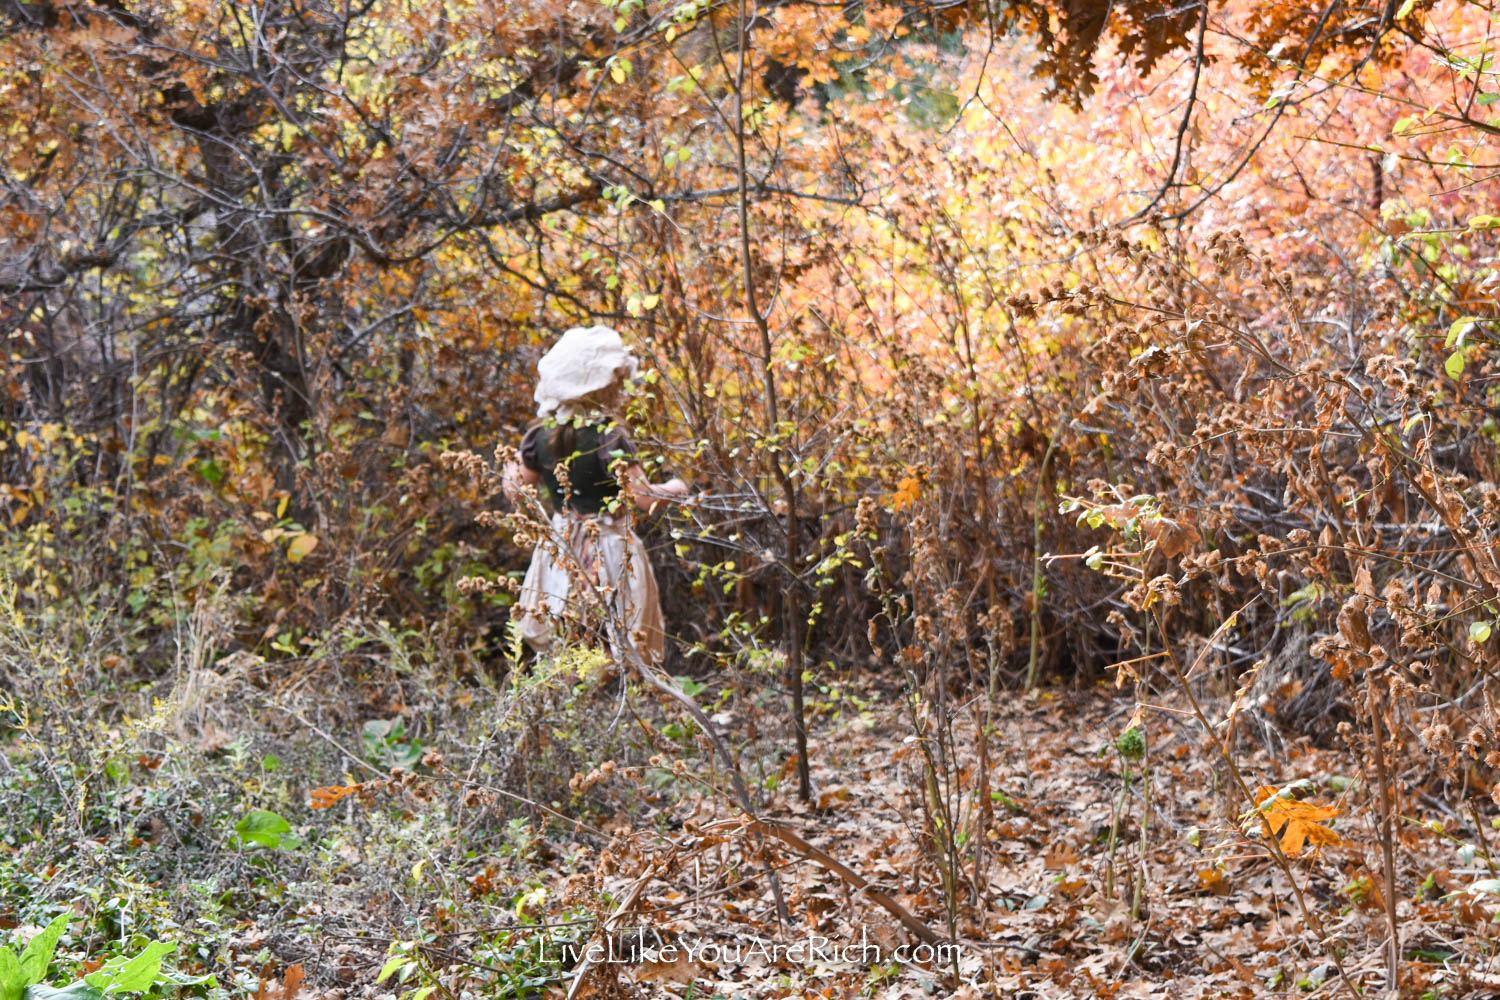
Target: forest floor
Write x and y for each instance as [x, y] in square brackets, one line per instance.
[263, 835]
[1079, 899]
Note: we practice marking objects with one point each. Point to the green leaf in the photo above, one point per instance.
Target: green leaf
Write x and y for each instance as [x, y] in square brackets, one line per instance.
[135, 975]
[1454, 366]
[261, 826]
[1486, 99]
[1406, 8]
[12, 979]
[390, 967]
[1457, 331]
[1479, 631]
[76, 990]
[38, 953]
[183, 979]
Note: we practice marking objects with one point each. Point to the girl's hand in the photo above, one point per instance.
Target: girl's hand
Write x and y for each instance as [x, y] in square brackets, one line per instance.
[673, 490]
[514, 479]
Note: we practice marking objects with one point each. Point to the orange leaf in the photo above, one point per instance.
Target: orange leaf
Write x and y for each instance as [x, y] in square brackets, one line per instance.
[331, 795]
[907, 493]
[1297, 823]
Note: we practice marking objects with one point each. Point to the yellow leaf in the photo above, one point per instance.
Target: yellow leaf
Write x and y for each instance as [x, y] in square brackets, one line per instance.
[300, 546]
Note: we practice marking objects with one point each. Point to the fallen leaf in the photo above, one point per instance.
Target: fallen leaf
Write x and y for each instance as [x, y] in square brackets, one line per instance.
[1297, 823]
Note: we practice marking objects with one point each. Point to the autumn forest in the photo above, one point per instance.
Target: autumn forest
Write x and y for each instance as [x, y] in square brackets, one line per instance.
[749, 499]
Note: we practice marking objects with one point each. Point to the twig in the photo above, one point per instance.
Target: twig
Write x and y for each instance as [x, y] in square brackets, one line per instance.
[1387, 847]
[846, 873]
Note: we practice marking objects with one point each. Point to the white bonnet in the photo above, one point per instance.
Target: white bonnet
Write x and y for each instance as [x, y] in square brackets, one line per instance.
[584, 360]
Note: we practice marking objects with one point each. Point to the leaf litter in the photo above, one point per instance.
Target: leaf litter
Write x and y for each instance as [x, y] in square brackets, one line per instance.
[1193, 906]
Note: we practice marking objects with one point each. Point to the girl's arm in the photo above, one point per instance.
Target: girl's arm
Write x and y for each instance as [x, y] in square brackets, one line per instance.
[647, 495]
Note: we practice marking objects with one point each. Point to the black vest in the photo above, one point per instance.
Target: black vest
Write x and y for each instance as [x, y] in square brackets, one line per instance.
[591, 484]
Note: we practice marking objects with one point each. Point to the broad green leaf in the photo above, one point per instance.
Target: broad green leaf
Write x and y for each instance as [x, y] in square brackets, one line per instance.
[12, 979]
[1479, 631]
[76, 990]
[38, 953]
[138, 974]
[261, 826]
[1486, 99]
[183, 979]
[121, 975]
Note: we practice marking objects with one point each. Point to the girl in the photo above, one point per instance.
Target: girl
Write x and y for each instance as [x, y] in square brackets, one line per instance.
[591, 561]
